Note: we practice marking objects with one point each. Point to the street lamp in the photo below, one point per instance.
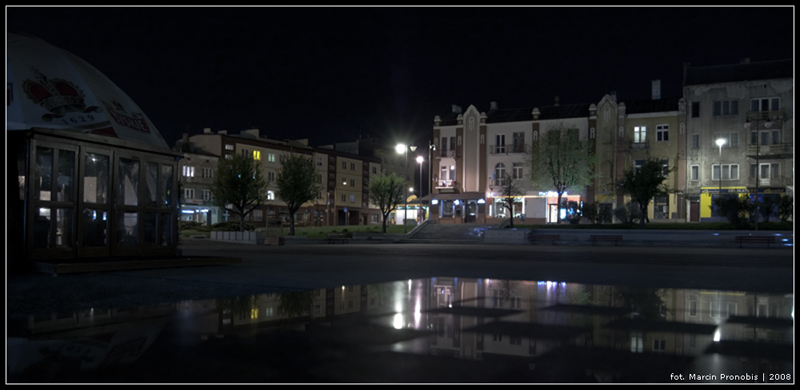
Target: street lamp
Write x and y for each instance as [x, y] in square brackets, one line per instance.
[403, 149]
[420, 160]
[720, 142]
[767, 124]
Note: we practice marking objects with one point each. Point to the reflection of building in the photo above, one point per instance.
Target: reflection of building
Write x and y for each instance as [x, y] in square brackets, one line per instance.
[750, 107]
[95, 177]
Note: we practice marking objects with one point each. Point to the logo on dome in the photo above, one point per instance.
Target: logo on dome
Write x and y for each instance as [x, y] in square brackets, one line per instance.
[58, 96]
[134, 121]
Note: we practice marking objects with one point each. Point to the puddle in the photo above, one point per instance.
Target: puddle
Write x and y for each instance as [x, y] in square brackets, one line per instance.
[444, 330]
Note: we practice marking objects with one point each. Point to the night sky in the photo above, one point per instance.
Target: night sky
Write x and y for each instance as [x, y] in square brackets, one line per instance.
[334, 74]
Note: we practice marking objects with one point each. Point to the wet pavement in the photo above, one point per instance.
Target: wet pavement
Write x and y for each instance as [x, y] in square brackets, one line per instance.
[413, 313]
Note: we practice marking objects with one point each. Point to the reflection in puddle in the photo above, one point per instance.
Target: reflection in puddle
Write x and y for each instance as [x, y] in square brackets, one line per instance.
[424, 330]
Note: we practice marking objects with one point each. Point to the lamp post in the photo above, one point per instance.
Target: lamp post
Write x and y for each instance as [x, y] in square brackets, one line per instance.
[403, 149]
[720, 142]
[420, 160]
[767, 124]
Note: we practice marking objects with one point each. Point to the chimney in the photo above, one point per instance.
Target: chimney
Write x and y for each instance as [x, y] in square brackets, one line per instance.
[456, 109]
[745, 61]
[656, 89]
[207, 130]
[223, 132]
[613, 95]
[556, 101]
[493, 106]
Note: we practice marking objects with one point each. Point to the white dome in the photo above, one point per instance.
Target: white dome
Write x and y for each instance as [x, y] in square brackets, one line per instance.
[51, 88]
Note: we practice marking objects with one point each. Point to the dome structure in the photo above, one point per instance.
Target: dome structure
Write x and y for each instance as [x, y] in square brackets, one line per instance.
[50, 88]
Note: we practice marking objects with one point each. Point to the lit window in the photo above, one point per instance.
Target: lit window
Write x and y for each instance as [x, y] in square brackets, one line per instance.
[639, 134]
[228, 147]
[270, 195]
[188, 171]
[271, 157]
[352, 198]
[256, 155]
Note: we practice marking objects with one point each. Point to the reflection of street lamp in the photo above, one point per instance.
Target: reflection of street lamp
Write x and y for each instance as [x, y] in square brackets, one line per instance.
[405, 213]
[720, 142]
[767, 123]
[420, 160]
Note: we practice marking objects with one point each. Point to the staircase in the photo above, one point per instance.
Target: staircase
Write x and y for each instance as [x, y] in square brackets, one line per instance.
[436, 233]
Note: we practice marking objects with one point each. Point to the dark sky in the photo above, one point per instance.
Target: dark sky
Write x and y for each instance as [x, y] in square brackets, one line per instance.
[332, 74]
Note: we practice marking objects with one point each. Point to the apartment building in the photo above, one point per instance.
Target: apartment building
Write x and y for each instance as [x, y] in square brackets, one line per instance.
[748, 109]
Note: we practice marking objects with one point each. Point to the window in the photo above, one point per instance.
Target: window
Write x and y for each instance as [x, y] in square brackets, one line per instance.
[245, 152]
[664, 166]
[319, 178]
[344, 181]
[517, 171]
[660, 346]
[695, 173]
[731, 139]
[726, 107]
[768, 170]
[352, 198]
[344, 198]
[692, 308]
[228, 147]
[501, 143]
[695, 141]
[352, 182]
[229, 157]
[188, 171]
[352, 166]
[344, 164]
[208, 173]
[206, 195]
[766, 136]
[519, 143]
[270, 195]
[765, 104]
[319, 161]
[258, 215]
[271, 157]
[188, 193]
[499, 174]
[729, 172]
[256, 155]
[714, 309]
[637, 165]
[662, 133]
[374, 170]
[639, 134]
[695, 109]
[270, 176]
[373, 218]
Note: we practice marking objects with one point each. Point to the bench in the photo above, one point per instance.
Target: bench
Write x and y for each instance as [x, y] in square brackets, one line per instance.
[595, 238]
[755, 240]
[543, 237]
[334, 238]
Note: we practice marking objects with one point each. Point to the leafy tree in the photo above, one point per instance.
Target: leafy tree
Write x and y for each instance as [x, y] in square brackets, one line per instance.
[387, 192]
[628, 212]
[509, 191]
[645, 183]
[296, 184]
[239, 186]
[561, 161]
[736, 209]
[769, 206]
[592, 213]
[786, 207]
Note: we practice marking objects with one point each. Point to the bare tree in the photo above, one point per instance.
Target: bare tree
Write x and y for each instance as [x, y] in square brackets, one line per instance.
[296, 184]
[561, 161]
[509, 191]
[386, 191]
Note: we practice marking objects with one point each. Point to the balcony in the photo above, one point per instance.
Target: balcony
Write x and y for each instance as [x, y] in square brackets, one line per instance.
[779, 181]
[507, 149]
[775, 115]
[447, 153]
[780, 150]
